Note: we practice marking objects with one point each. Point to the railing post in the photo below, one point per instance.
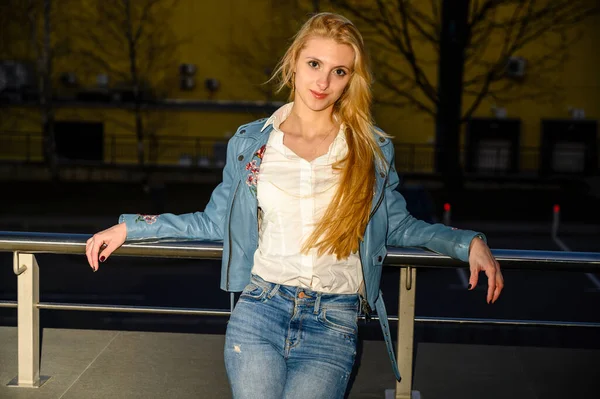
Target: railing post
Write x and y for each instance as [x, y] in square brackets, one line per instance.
[28, 325]
[406, 328]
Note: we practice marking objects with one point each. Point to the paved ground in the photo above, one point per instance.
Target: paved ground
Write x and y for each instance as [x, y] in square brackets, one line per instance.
[92, 364]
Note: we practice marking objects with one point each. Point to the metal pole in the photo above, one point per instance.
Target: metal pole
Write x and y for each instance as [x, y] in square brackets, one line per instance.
[28, 159]
[113, 155]
[555, 224]
[406, 328]
[28, 315]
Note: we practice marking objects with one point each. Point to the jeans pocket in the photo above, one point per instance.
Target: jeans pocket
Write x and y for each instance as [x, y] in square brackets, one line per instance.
[341, 320]
[253, 291]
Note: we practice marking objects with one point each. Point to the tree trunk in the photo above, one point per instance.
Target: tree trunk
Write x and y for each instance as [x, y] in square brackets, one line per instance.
[47, 108]
[139, 129]
[316, 6]
[451, 69]
[136, 86]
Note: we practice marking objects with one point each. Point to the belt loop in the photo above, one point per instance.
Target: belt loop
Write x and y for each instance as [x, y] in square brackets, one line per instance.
[317, 303]
[273, 291]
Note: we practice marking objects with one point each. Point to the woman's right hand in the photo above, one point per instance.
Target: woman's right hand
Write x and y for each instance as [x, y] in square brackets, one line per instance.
[105, 243]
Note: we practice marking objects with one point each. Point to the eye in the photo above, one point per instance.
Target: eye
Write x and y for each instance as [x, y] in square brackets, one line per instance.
[340, 72]
[313, 64]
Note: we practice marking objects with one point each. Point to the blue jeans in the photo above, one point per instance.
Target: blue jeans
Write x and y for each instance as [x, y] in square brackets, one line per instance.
[290, 342]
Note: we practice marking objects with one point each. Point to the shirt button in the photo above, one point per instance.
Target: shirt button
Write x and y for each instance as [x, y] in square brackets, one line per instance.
[381, 139]
[241, 158]
[301, 295]
[242, 131]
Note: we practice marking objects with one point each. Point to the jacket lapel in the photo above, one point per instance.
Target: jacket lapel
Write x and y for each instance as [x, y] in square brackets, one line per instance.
[251, 159]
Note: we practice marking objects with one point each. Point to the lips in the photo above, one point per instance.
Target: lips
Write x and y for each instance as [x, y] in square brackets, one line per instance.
[318, 96]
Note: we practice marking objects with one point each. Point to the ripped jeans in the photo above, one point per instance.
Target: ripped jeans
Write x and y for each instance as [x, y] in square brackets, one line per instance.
[290, 342]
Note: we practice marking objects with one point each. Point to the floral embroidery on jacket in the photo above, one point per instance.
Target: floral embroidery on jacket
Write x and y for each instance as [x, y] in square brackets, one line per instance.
[253, 168]
[150, 219]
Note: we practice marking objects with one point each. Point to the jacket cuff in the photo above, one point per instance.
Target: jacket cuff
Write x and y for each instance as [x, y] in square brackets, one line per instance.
[464, 243]
[136, 225]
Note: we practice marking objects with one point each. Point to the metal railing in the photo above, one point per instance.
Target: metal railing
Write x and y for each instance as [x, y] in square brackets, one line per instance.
[210, 152]
[184, 151]
[25, 266]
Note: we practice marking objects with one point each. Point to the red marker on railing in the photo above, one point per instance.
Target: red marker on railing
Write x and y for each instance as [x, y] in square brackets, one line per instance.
[555, 219]
[447, 209]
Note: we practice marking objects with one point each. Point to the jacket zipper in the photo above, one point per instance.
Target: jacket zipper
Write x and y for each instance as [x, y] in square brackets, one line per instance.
[376, 205]
[229, 232]
[380, 197]
[366, 308]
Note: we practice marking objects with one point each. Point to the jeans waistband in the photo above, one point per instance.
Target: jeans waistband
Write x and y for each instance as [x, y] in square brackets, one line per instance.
[306, 296]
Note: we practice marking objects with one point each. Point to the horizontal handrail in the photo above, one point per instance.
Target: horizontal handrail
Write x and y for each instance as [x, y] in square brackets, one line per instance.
[8, 304]
[61, 243]
[227, 313]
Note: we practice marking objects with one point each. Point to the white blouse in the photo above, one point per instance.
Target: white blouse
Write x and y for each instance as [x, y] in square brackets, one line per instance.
[293, 194]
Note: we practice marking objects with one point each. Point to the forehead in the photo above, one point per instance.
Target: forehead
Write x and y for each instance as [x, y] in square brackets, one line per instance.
[328, 51]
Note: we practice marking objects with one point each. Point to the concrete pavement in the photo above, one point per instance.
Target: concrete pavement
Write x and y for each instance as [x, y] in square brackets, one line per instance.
[92, 364]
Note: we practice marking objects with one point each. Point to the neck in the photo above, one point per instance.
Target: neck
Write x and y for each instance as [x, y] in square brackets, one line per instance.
[309, 123]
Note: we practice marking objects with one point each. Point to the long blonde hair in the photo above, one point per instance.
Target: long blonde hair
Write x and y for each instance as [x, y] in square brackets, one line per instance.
[343, 224]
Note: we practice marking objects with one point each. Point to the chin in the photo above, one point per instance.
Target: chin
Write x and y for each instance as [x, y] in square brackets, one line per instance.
[315, 104]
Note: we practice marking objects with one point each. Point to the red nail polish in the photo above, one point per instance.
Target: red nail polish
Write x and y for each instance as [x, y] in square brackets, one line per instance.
[102, 258]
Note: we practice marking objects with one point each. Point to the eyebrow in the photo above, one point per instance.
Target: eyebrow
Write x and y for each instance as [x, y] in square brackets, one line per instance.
[339, 66]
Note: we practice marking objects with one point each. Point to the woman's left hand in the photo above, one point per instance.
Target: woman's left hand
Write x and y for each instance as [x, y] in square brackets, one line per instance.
[482, 260]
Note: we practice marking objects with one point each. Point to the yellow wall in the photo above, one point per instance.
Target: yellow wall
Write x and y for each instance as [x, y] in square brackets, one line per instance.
[208, 31]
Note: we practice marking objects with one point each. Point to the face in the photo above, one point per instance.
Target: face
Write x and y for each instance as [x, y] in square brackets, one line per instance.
[322, 71]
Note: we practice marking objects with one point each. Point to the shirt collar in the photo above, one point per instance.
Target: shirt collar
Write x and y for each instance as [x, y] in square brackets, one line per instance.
[278, 116]
[283, 112]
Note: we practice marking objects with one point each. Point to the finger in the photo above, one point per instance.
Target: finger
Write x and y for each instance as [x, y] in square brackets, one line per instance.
[499, 285]
[491, 274]
[107, 251]
[95, 250]
[88, 254]
[474, 278]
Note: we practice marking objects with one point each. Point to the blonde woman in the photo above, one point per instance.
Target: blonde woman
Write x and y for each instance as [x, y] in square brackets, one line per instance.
[305, 211]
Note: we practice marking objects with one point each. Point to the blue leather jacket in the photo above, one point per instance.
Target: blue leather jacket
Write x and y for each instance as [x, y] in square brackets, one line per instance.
[231, 216]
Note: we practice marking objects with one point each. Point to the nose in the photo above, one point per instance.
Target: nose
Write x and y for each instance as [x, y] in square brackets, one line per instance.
[323, 81]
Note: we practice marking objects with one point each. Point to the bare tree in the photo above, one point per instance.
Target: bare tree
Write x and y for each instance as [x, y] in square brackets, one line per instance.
[131, 42]
[403, 32]
[37, 30]
[431, 54]
[44, 57]
[14, 45]
[261, 46]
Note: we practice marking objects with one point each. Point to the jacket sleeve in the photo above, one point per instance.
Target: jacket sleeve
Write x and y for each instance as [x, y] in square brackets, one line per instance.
[406, 231]
[201, 226]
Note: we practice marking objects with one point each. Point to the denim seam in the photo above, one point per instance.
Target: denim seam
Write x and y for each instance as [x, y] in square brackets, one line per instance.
[336, 327]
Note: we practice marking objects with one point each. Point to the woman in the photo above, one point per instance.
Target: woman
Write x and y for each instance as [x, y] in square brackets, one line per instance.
[306, 209]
